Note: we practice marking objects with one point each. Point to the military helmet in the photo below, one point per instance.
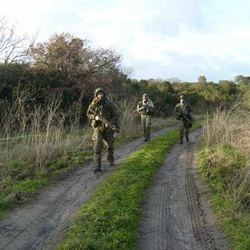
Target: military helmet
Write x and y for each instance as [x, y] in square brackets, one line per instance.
[182, 97]
[99, 90]
[145, 95]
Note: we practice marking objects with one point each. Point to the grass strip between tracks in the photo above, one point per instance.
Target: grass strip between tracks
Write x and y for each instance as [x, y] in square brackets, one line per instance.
[111, 219]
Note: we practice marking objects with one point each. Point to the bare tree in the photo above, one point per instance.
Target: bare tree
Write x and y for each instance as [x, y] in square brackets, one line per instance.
[13, 47]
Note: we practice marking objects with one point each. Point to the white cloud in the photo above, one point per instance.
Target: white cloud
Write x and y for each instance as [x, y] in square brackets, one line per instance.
[174, 38]
[25, 15]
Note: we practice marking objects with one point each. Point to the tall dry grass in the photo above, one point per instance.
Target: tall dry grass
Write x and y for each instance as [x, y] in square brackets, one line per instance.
[232, 127]
[36, 134]
[129, 118]
[229, 127]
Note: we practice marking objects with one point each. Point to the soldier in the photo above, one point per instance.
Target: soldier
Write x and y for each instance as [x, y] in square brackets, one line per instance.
[146, 109]
[182, 112]
[105, 122]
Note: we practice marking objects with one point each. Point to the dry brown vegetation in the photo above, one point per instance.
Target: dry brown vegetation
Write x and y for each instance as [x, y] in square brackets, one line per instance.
[38, 136]
[230, 126]
[227, 139]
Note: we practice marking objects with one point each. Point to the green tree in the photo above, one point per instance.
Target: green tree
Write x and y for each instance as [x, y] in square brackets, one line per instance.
[227, 87]
[165, 87]
[242, 80]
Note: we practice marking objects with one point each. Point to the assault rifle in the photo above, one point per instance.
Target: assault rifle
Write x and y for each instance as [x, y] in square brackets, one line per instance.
[104, 121]
[186, 117]
[149, 110]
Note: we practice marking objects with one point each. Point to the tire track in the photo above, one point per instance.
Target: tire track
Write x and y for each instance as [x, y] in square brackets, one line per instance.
[200, 229]
[181, 221]
[163, 212]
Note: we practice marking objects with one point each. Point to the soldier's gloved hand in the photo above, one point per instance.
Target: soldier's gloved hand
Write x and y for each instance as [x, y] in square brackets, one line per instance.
[97, 118]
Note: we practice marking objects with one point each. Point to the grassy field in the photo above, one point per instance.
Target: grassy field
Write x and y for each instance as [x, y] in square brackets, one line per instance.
[225, 163]
[111, 219]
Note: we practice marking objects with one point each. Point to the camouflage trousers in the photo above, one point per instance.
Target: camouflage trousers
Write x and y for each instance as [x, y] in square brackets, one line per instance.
[99, 137]
[184, 128]
[146, 122]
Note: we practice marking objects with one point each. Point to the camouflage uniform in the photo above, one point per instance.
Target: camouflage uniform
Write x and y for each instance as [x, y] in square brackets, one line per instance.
[146, 110]
[105, 108]
[181, 111]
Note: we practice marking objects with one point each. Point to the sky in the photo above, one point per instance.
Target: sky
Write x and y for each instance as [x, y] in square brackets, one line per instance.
[156, 38]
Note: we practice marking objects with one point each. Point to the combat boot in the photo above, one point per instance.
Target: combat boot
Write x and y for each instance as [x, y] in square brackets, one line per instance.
[187, 139]
[97, 166]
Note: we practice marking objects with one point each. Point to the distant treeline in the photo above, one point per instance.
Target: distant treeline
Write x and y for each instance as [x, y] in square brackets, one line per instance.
[67, 68]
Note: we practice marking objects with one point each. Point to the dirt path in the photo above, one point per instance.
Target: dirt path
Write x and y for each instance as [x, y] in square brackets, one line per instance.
[177, 214]
[43, 223]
